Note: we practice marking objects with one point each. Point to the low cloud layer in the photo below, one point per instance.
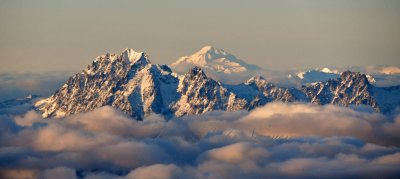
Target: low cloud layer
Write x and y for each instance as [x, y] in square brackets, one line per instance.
[16, 85]
[277, 140]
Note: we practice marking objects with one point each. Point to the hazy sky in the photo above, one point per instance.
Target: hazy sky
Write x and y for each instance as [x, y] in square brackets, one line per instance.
[48, 35]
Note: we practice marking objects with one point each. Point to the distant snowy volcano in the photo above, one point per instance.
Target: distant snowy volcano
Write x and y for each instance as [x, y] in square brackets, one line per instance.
[218, 64]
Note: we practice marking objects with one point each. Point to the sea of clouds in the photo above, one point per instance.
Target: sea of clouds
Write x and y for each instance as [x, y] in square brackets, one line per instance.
[18, 85]
[274, 141]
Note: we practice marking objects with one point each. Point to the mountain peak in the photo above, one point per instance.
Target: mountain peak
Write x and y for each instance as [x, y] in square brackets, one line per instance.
[196, 71]
[214, 61]
[207, 48]
[349, 75]
[256, 78]
[133, 56]
[211, 53]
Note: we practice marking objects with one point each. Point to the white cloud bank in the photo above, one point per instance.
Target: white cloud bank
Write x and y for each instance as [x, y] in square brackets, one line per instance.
[277, 140]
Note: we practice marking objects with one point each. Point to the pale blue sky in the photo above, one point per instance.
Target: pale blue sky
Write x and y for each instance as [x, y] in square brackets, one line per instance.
[48, 35]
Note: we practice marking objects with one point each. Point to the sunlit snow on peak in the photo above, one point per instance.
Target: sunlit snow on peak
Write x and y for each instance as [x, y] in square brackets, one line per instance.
[217, 63]
[133, 56]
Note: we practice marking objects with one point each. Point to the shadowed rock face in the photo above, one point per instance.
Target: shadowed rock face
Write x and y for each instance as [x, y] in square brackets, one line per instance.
[130, 82]
[350, 89]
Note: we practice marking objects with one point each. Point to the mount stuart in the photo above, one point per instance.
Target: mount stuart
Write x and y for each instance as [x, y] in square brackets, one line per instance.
[131, 83]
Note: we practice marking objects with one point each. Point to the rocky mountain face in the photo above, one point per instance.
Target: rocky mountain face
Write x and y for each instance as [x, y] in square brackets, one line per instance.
[258, 91]
[199, 94]
[350, 89]
[130, 82]
[321, 74]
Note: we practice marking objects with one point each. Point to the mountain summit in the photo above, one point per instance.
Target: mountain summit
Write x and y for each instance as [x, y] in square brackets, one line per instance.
[218, 64]
[129, 82]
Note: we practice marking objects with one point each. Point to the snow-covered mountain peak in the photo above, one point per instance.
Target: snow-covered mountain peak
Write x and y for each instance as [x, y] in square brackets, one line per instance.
[133, 56]
[197, 71]
[128, 82]
[255, 79]
[371, 79]
[207, 55]
[217, 64]
[207, 49]
[128, 56]
[212, 54]
[128, 59]
[213, 60]
[354, 76]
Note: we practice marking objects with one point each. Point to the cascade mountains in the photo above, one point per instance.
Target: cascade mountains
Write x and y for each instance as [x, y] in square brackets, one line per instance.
[131, 83]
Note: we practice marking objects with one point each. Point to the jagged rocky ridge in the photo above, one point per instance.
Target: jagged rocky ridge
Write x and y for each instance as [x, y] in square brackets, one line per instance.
[130, 82]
